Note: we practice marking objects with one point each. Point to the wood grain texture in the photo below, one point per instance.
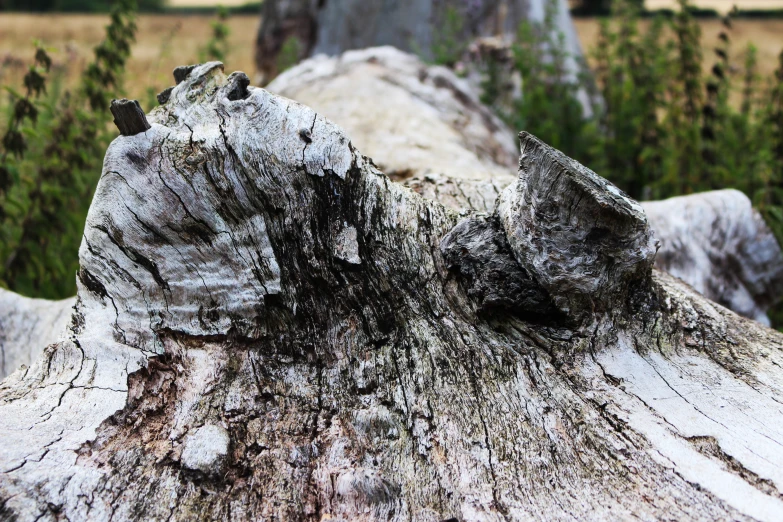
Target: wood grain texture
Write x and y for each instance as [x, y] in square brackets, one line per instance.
[267, 328]
[432, 134]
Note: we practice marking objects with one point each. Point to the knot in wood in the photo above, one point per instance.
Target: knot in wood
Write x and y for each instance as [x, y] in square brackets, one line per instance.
[581, 238]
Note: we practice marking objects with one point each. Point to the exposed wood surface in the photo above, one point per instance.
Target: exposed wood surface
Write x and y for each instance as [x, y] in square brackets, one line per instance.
[413, 120]
[719, 244]
[27, 326]
[267, 328]
[431, 132]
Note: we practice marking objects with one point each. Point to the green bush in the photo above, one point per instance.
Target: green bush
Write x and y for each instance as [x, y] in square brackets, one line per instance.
[50, 162]
[217, 47]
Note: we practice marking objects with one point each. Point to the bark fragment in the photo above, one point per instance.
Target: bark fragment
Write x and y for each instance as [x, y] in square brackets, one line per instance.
[478, 250]
[129, 117]
[584, 240]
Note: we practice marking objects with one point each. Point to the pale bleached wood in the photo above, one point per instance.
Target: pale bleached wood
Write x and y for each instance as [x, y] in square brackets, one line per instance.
[267, 328]
[719, 244]
[419, 123]
[27, 326]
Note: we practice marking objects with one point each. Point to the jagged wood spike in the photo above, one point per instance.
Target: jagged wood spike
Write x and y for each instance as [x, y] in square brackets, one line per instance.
[181, 73]
[585, 241]
[163, 96]
[129, 117]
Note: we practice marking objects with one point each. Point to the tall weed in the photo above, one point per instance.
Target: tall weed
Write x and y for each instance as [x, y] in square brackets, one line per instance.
[51, 161]
[663, 126]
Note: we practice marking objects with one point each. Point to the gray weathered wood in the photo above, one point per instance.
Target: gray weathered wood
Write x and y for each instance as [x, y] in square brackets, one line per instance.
[417, 122]
[719, 244]
[432, 133]
[27, 326]
[267, 328]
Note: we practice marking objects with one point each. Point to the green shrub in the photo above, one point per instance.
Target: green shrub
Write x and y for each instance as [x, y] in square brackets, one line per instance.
[290, 53]
[217, 47]
[51, 161]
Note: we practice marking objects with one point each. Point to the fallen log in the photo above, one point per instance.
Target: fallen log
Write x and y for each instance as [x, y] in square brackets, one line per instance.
[719, 244]
[268, 327]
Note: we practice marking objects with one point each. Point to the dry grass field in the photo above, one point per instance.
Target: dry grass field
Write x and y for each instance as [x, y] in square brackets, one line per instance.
[766, 35]
[165, 41]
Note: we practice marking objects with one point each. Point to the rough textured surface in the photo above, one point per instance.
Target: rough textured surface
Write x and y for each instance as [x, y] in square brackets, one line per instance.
[129, 117]
[206, 449]
[415, 121]
[364, 380]
[586, 242]
[478, 250]
[27, 326]
[720, 245]
[432, 134]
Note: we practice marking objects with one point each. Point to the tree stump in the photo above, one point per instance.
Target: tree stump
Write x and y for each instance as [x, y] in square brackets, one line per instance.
[267, 327]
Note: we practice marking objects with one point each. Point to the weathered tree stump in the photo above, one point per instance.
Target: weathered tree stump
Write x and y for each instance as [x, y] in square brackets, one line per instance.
[267, 327]
[420, 124]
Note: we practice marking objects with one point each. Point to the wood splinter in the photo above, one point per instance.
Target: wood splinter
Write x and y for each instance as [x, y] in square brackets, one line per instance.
[129, 117]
